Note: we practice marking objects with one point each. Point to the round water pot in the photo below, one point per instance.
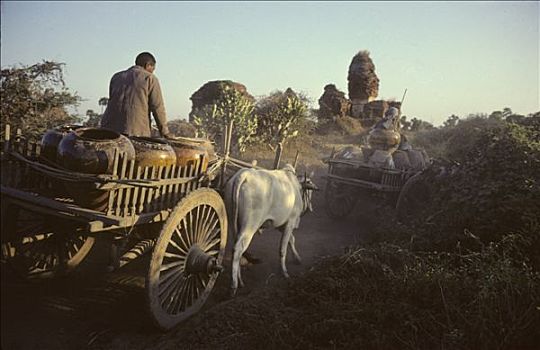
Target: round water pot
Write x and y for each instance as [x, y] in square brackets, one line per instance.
[152, 152]
[189, 150]
[91, 151]
[382, 139]
[50, 141]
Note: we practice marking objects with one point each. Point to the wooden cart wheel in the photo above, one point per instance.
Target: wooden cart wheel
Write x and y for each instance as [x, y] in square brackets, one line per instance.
[340, 199]
[38, 246]
[412, 198]
[187, 258]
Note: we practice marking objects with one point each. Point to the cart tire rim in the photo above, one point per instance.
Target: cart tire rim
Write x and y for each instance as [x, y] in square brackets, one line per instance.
[38, 250]
[187, 258]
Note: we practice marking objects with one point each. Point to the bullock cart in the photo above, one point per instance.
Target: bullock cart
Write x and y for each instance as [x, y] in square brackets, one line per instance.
[171, 211]
[348, 179]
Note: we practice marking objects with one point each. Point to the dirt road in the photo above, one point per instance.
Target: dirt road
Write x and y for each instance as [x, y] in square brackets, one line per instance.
[95, 309]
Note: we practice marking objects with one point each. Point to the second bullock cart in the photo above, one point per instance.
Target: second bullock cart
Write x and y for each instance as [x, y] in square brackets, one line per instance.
[351, 176]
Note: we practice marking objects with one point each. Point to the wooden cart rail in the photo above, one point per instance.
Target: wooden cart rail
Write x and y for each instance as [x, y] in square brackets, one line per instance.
[136, 195]
[358, 173]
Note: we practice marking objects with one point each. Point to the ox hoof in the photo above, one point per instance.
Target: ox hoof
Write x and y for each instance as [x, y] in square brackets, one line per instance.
[285, 274]
[232, 292]
[244, 262]
[251, 259]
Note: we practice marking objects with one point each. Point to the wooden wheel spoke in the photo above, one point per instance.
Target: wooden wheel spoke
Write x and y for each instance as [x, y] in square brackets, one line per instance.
[195, 289]
[170, 265]
[182, 241]
[185, 236]
[201, 222]
[178, 296]
[191, 292]
[189, 230]
[174, 256]
[211, 233]
[176, 245]
[211, 244]
[202, 281]
[210, 222]
[183, 295]
[210, 213]
[168, 302]
[168, 281]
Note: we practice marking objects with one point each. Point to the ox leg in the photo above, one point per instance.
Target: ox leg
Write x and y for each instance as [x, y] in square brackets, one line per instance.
[285, 237]
[244, 239]
[293, 249]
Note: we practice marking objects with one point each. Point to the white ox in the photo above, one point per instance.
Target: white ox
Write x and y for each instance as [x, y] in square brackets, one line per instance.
[265, 198]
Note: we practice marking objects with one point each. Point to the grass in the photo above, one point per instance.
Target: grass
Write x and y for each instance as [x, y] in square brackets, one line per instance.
[398, 290]
[385, 296]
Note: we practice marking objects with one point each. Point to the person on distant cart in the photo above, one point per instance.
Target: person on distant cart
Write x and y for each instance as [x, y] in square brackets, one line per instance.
[389, 121]
[134, 94]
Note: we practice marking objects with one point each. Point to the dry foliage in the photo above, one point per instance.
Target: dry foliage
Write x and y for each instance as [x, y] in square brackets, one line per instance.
[34, 98]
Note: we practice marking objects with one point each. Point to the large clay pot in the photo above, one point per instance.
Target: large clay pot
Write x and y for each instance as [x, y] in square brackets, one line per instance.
[91, 151]
[383, 139]
[401, 160]
[189, 150]
[50, 141]
[152, 152]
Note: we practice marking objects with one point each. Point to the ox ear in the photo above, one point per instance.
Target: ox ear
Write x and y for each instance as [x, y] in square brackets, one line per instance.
[311, 174]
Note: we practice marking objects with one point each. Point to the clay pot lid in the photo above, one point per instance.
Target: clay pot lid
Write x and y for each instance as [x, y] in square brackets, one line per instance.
[68, 127]
[189, 140]
[146, 139]
[96, 134]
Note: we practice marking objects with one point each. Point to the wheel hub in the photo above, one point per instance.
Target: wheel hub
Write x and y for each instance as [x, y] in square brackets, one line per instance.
[199, 262]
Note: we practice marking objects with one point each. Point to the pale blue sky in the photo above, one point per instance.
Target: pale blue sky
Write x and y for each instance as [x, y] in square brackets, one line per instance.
[453, 57]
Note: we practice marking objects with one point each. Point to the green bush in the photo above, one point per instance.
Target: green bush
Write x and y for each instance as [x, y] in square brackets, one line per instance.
[454, 141]
[212, 119]
[496, 187]
[179, 127]
[282, 116]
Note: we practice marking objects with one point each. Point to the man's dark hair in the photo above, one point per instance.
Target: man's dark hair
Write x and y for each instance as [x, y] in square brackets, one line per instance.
[145, 58]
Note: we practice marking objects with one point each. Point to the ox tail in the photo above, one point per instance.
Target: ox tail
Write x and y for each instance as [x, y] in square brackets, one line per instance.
[236, 196]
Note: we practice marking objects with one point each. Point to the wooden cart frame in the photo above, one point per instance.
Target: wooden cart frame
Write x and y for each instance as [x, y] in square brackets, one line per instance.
[172, 211]
[348, 179]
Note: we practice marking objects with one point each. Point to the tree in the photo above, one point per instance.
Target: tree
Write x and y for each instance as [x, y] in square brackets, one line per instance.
[103, 103]
[94, 119]
[281, 116]
[179, 127]
[496, 115]
[418, 124]
[35, 98]
[451, 121]
[405, 124]
[211, 120]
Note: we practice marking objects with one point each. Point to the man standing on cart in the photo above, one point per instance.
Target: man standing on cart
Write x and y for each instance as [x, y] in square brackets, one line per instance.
[134, 94]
